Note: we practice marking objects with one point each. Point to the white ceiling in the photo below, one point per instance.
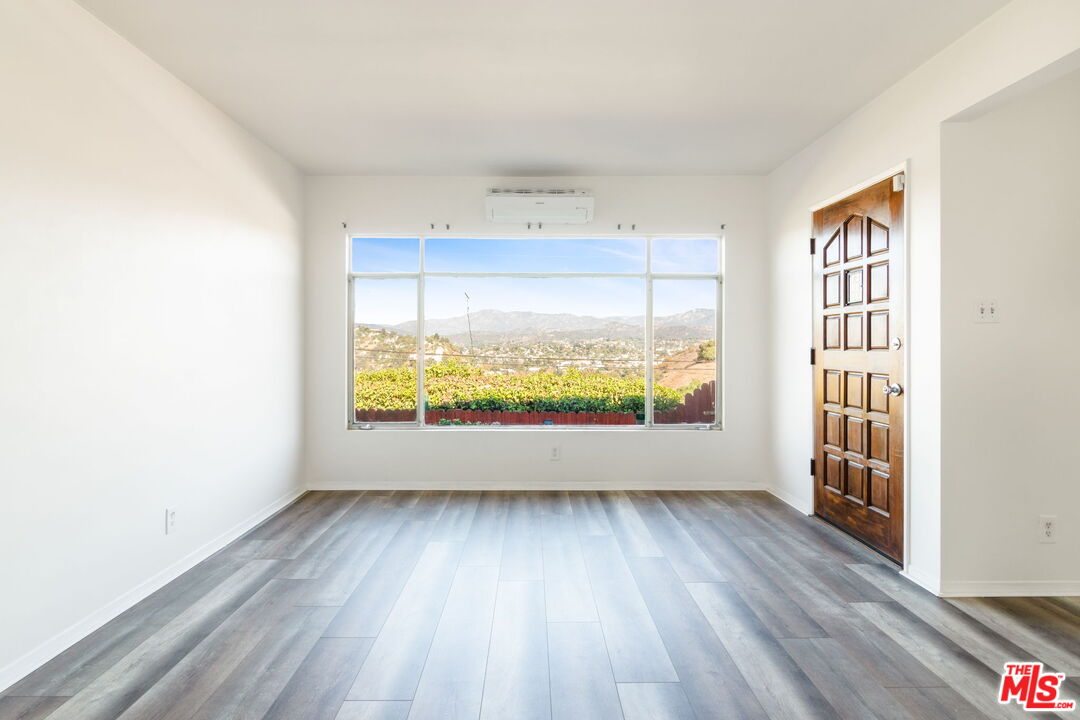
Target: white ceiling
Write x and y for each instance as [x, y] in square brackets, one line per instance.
[540, 87]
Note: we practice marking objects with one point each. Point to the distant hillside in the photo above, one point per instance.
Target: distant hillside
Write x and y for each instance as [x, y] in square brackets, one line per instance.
[689, 367]
[491, 326]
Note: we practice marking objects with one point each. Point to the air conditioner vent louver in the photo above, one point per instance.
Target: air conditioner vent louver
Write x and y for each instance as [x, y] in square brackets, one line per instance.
[526, 206]
[525, 191]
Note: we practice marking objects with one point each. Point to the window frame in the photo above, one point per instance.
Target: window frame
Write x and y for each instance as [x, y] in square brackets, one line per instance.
[648, 276]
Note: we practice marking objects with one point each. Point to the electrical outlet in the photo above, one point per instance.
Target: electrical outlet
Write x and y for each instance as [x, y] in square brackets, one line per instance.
[556, 453]
[1048, 528]
[170, 521]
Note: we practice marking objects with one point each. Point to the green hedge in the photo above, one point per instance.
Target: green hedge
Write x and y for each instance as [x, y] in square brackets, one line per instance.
[454, 385]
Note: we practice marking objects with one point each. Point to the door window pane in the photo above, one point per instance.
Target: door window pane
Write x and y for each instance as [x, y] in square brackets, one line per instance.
[684, 351]
[384, 350]
[535, 351]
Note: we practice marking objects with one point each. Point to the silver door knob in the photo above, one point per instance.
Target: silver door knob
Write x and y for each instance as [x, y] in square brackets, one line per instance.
[895, 390]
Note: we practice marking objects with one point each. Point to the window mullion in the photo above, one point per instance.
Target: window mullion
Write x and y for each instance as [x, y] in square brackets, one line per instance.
[648, 334]
[352, 348]
[718, 376]
[421, 334]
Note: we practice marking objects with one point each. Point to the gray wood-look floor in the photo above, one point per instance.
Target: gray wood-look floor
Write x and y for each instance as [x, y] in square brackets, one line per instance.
[636, 605]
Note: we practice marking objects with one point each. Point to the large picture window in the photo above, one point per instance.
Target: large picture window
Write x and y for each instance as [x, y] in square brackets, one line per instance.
[510, 332]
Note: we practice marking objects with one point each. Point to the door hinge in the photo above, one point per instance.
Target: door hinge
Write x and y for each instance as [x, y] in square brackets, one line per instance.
[813, 246]
[898, 182]
[813, 467]
[813, 356]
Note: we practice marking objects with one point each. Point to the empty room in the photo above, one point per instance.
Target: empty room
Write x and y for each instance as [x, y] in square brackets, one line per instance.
[547, 361]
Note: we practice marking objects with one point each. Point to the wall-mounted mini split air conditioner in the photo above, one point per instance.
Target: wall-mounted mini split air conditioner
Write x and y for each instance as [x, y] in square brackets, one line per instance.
[540, 207]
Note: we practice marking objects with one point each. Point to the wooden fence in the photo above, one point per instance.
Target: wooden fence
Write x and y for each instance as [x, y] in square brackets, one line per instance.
[697, 407]
[489, 417]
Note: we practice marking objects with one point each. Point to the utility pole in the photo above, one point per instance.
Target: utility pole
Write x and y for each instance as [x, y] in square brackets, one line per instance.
[468, 323]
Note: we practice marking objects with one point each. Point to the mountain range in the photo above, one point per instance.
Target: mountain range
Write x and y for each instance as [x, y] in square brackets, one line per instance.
[501, 326]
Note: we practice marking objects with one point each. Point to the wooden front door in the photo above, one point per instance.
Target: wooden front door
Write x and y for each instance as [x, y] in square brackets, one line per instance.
[858, 356]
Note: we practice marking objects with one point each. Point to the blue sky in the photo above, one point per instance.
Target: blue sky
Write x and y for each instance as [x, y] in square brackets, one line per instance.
[394, 300]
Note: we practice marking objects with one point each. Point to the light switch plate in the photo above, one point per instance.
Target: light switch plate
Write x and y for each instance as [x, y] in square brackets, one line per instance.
[986, 312]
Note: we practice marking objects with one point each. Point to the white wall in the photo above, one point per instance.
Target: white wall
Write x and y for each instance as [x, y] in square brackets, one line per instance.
[150, 315]
[338, 457]
[903, 124]
[1010, 390]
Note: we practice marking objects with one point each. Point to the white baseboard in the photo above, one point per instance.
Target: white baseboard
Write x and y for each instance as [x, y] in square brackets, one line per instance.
[23, 666]
[1010, 588]
[533, 485]
[806, 507]
[923, 580]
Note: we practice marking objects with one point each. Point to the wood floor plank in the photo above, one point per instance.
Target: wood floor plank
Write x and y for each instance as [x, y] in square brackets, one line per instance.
[935, 704]
[1018, 630]
[555, 502]
[852, 693]
[962, 671]
[783, 690]
[452, 684]
[715, 508]
[321, 554]
[567, 589]
[336, 583]
[774, 607]
[28, 708]
[810, 531]
[484, 544]
[457, 518]
[252, 687]
[689, 562]
[195, 677]
[1058, 607]
[522, 553]
[364, 612]
[634, 538]
[396, 660]
[122, 684]
[876, 651]
[317, 689]
[1070, 604]
[755, 511]
[737, 518]
[654, 701]
[516, 683]
[279, 525]
[582, 686]
[75, 668]
[589, 513]
[430, 505]
[309, 523]
[838, 577]
[1055, 632]
[636, 651]
[712, 682]
[992, 649]
[374, 710]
